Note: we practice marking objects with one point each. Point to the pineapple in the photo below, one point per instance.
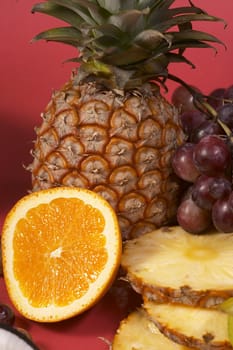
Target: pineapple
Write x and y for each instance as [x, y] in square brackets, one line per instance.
[199, 328]
[173, 266]
[137, 332]
[109, 129]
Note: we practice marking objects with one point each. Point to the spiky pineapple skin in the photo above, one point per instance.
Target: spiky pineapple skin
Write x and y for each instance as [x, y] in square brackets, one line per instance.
[116, 143]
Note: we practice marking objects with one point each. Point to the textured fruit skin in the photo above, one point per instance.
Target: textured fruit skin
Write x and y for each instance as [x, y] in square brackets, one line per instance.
[115, 143]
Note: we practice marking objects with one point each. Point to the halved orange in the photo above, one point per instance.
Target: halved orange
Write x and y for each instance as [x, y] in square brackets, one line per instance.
[61, 250]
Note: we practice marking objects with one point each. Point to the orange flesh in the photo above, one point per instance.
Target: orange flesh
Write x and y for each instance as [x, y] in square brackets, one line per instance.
[60, 245]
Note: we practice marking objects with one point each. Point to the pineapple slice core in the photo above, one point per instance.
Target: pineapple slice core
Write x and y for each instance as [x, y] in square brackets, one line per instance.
[175, 259]
[198, 252]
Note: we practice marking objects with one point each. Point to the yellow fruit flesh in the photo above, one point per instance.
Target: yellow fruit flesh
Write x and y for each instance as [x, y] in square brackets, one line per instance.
[174, 259]
[61, 251]
[47, 247]
[191, 326]
[138, 332]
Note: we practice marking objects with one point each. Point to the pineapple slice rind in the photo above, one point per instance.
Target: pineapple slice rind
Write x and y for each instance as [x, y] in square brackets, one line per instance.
[137, 332]
[171, 265]
[200, 328]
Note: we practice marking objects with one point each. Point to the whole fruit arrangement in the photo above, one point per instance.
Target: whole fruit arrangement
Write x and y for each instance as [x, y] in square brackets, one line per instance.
[109, 129]
[205, 162]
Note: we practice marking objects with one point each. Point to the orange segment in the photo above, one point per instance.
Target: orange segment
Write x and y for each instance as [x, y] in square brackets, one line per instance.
[61, 250]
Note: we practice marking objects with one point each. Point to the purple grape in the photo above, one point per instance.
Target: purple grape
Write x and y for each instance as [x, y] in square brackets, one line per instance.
[201, 194]
[212, 156]
[208, 189]
[6, 315]
[208, 127]
[220, 188]
[123, 296]
[192, 218]
[231, 201]
[225, 114]
[229, 93]
[215, 99]
[183, 164]
[183, 99]
[222, 215]
[191, 120]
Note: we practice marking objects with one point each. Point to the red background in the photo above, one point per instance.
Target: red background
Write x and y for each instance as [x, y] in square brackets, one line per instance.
[29, 73]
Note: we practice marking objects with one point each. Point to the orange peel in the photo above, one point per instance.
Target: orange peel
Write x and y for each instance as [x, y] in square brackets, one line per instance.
[61, 250]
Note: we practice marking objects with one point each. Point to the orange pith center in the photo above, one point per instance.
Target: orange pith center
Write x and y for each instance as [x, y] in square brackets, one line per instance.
[59, 250]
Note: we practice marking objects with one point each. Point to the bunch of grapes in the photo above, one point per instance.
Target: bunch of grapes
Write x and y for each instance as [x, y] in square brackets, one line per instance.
[205, 161]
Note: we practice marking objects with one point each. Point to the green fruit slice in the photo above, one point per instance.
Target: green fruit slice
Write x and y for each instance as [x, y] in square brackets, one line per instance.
[227, 306]
[230, 328]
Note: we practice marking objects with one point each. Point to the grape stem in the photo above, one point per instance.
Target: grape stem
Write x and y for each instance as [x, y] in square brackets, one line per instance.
[200, 102]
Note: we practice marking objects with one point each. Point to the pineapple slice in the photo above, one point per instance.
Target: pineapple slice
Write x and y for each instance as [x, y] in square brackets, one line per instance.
[205, 329]
[171, 265]
[137, 332]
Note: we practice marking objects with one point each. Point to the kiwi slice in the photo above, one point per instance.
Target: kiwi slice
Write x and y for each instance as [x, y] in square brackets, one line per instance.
[227, 306]
[12, 339]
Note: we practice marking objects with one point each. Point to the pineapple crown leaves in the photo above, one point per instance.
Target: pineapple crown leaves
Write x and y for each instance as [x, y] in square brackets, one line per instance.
[125, 43]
